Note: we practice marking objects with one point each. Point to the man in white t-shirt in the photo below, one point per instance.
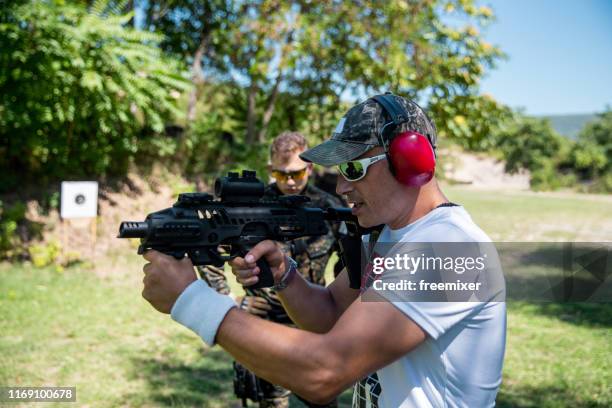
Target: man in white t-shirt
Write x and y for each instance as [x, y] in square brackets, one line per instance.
[425, 353]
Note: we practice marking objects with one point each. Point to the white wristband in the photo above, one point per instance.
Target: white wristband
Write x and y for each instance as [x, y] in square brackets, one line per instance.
[201, 309]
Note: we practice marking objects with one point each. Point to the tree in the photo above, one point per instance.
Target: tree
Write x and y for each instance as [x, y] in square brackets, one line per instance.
[532, 144]
[555, 161]
[195, 31]
[78, 88]
[320, 52]
[592, 156]
[410, 47]
[594, 146]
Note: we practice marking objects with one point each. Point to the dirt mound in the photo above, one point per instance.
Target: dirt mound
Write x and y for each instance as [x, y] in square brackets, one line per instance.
[482, 171]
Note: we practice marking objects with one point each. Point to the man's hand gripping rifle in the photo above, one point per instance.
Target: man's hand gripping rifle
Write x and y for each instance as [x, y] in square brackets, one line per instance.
[197, 224]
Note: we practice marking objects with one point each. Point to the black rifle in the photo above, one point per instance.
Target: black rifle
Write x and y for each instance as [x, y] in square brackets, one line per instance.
[198, 225]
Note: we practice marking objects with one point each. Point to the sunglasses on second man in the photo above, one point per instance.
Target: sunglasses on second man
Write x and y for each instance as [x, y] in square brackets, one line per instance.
[284, 176]
[355, 170]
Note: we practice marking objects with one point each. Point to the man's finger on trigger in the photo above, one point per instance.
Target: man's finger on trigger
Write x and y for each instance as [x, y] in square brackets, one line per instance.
[153, 255]
[259, 250]
[238, 262]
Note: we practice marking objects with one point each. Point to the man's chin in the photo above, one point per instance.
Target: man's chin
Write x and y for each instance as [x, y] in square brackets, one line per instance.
[366, 219]
[289, 191]
[364, 222]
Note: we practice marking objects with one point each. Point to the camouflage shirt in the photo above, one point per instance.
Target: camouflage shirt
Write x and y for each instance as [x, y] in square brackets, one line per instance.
[311, 253]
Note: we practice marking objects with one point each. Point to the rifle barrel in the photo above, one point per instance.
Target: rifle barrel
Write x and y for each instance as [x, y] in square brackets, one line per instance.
[133, 229]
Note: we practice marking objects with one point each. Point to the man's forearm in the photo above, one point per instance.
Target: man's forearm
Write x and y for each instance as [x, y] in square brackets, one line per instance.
[317, 366]
[295, 359]
[311, 307]
[282, 355]
[315, 308]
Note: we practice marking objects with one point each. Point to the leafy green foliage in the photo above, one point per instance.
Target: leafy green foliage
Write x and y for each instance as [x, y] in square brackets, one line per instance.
[9, 219]
[13, 228]
[532, 144]
[44, 254]
[210, 151]
[556, 161]
[292, 61]
[593, 154]
[181, 22]
[429, 51]
[78, 88]
[528, 142]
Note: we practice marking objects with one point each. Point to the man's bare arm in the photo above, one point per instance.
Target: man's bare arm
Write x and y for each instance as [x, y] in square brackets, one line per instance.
[367, 336]
[319, 366]
[316, 308]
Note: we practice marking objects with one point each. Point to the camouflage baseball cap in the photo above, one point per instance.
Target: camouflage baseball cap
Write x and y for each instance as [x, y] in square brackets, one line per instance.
[357, 132]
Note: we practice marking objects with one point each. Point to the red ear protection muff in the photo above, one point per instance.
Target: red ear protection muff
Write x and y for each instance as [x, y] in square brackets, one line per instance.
[411, 156]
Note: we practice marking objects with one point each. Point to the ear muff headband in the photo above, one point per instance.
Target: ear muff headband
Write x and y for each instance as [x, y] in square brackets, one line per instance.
[397, 115]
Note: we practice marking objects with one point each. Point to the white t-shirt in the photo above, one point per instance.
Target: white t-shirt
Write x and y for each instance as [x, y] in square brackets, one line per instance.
[460, 362]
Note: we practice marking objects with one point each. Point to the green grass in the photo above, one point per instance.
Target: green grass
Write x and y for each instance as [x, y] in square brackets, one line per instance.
[527, 216]
[76, 328]
[556, 356]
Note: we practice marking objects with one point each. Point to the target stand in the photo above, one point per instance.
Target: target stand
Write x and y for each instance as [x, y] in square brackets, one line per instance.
[79, 209]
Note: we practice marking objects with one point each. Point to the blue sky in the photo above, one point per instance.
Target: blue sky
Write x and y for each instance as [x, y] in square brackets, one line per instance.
[560, 55]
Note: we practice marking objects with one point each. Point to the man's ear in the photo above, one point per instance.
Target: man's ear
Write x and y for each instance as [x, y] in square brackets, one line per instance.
[309, 167]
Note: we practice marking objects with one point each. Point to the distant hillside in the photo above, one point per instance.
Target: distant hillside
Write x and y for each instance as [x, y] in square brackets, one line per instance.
[570, 125]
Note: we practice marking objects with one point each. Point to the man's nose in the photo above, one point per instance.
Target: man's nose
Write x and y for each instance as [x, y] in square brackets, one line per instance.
[343, 187]
[290, 181]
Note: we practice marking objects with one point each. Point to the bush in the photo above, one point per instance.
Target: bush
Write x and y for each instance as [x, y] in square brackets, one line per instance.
[44, 254]
[78, 88]
[549, 177]
[531, 144]
[555, 161]
[206, 150]
[603, 184]
[592, 157]
[16, 230]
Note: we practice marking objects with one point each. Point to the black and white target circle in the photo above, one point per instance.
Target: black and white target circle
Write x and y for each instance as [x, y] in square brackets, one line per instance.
[79, 199]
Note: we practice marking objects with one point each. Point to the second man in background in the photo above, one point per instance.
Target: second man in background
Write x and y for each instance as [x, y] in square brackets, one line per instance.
[291, 176]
